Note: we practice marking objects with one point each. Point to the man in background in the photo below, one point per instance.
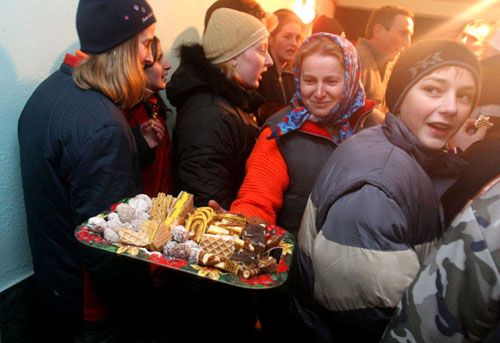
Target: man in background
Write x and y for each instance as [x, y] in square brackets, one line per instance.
[388, 32]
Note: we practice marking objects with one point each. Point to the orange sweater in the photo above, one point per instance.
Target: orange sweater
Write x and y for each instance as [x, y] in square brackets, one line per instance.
[266, 179]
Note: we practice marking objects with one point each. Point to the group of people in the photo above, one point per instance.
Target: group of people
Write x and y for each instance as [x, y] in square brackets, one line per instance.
[345, 146]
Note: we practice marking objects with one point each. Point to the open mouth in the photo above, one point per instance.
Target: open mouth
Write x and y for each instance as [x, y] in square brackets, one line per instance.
[439, 129]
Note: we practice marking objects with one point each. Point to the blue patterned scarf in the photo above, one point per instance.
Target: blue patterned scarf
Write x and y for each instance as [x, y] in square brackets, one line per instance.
[353, 96]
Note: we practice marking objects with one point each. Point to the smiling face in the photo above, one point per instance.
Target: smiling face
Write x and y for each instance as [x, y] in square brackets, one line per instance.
[285, 43]
[157, 72]
[438, 104]
[321, 83]
[250, 64]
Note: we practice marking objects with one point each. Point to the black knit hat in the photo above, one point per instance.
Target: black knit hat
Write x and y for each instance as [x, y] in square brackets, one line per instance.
[327, 24]
[104, 24]
[421, 59]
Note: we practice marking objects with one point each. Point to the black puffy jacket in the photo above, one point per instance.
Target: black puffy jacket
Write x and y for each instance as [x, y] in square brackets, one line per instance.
[214, 131]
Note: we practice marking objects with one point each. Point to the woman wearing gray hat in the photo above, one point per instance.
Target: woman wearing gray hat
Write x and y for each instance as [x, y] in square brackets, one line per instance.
[213, 91]
[375, 210]
[78, 156]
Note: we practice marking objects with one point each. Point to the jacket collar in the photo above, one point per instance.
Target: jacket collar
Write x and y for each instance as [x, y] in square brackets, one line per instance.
[434, 162]
[197, 74]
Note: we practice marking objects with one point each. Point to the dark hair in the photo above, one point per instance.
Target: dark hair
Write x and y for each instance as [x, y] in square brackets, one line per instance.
[285, 16]
[251, 7]
[385, 16]
[327, 24]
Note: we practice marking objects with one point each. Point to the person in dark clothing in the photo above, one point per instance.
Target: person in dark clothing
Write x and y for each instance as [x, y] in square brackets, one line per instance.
[484, 164]
[484, 155]
[78, 156]
[213, 92]
[278, 85]
[213, 136]
[375, 210]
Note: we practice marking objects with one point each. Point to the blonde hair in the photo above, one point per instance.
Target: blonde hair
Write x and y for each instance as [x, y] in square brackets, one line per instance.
[117, 73]
[227, 68]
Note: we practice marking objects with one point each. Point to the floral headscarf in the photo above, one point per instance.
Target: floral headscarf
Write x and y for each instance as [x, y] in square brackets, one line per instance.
[353, 96]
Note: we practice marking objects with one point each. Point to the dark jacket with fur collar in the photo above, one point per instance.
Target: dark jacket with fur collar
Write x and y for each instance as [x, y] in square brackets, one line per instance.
[214, 132]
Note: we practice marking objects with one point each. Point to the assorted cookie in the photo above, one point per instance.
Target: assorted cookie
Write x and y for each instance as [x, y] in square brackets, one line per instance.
[174, 227]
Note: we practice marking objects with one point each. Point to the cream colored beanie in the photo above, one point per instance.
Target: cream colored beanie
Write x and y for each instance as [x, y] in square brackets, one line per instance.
[229, 33]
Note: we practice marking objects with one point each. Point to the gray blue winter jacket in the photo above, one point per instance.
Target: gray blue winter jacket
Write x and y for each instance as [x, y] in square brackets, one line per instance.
[370, 221]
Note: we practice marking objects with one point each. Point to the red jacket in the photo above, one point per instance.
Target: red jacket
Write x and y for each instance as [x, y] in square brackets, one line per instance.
[155, 176]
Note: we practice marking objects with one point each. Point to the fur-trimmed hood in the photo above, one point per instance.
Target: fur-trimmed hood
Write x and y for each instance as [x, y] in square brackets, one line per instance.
[196, 74]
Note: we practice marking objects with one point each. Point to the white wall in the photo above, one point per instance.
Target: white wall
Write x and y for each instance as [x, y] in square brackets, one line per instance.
[30, 49]
[34, 36]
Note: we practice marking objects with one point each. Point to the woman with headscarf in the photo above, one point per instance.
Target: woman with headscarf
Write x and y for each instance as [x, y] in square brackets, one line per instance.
[328, 107]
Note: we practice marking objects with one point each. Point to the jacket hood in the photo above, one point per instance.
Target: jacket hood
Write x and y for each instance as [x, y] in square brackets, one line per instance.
[197, 75]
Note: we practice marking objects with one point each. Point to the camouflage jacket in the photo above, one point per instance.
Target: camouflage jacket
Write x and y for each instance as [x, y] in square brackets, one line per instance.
[456, 296]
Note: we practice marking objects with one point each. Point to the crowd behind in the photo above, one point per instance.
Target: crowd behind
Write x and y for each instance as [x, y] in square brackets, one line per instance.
[371, 153]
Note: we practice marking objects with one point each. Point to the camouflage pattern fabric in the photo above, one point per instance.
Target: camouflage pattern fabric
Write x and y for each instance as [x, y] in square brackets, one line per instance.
[456, 297]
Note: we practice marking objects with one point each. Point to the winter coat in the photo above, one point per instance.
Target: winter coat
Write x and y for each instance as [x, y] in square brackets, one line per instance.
[484, 164]
[374, 76]
[281, 172]
[455, 296]
[277, 89]
[78, 156]
[214, 131]
[369, 223]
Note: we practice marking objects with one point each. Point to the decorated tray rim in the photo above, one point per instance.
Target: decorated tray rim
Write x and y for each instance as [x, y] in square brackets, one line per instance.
[263, 281]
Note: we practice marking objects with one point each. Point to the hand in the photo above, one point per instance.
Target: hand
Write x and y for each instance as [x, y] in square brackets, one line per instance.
[216, 207]
[467, 135]
[153, 132]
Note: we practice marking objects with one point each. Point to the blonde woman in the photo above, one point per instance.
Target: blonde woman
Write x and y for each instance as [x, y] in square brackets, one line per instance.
[78, 156]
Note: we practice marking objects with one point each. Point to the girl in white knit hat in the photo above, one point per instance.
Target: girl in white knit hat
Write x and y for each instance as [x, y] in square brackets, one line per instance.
[213, 91]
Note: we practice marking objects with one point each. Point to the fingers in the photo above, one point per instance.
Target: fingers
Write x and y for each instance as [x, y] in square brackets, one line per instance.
[153, 127]
[480, 132]
[216, 207]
